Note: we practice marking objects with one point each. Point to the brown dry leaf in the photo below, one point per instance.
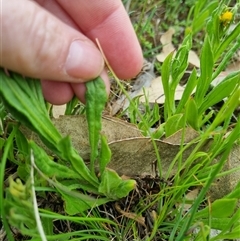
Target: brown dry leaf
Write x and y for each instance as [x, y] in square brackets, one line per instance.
[190, 196]
[58, 110]
[168, 47]
[143, 79]
[155, 92]
[137, 156]
[223, 185]
[193, 59]
[134, 155]
[76, 126]
[224, 74]
[130, 215]
[234, 66]
[166, 40]
[176, 139]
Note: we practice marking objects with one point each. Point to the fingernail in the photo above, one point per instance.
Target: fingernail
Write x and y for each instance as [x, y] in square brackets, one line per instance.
[83, 61]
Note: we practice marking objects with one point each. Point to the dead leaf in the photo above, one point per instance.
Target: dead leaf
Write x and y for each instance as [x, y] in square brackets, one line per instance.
[192, 195]
[137, 156]
[235, 65]
[189, 135]
[136, 217]
[133, 155]
[76, 127]
[225, 184]
[58, 110]
[219, 79]
[189, 197]
[166, 40]
[155, 92]
[143, 79]
[168, 48]
[193, 59]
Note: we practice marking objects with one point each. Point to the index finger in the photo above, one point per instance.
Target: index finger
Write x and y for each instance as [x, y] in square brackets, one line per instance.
[108, 21]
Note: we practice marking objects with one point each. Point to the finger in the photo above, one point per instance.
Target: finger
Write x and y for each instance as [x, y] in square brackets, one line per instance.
[80, 88]
[37, 44]
[58, 93]
[54, 8]
[108, 21]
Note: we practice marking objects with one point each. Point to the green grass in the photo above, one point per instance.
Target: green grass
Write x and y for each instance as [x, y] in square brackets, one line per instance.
[58, 197]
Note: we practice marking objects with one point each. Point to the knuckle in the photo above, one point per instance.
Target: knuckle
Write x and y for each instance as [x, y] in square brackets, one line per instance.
[44, 38]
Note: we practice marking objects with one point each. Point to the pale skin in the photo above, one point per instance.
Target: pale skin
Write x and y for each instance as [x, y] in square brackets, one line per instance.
[55, 41]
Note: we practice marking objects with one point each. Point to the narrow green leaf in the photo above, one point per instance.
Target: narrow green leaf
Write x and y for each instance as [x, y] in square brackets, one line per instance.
[191, 84]
[96, 98]
[105, 154]
[24, 100]
[159, 132]
[3, 210]
[235, 193]
[198, 7]
[113, 187]
[206, 63]
[217, 223]
[173, 124]
[227, 58]
[76, 202]
[125, 187]
[221, 208]
[166, 70]
[233, 235]
[227, 109]
[178, 67]
[68, 153]
[109, 183]
[221, 91]
[23, 171]
[48, 166]
[224, 224]
[234, 222]
[2, 141]
[21, 142]
[226, 42]
[47, 224]
[192, 114]
[213, 27]
[71, 105]
[180, 62]
[231, 138]
[201, 14]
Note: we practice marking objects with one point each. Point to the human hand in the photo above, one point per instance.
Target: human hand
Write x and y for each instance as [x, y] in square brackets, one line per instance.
[54, 40]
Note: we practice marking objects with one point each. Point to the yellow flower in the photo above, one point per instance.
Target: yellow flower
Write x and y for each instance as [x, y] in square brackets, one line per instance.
[226, 17]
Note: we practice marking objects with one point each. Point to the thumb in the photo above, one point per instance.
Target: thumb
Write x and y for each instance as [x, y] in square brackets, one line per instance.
[35, 43]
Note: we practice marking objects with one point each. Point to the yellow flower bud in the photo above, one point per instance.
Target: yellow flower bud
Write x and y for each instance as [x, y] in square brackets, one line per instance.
[226, 17]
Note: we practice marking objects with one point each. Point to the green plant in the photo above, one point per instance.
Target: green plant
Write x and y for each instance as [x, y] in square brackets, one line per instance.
[25, 102]
[220, 44]
[149, 115]
[197, 98]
